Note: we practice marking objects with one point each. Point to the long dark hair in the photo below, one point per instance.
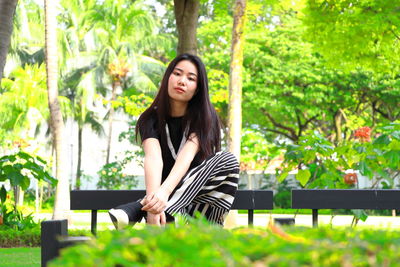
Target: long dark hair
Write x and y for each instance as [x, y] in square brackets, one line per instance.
[200, 114]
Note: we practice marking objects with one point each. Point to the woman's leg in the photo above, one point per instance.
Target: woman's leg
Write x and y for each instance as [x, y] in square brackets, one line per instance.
[208, 189]
[129, 213]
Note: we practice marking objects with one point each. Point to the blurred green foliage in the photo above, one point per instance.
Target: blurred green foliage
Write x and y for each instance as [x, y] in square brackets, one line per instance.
[112, 176]
[199, 244]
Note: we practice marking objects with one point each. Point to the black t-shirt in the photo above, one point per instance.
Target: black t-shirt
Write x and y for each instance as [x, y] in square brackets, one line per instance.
[176, 131]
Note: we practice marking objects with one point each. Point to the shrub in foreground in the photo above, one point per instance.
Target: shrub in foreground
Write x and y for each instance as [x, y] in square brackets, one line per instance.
[199, 244]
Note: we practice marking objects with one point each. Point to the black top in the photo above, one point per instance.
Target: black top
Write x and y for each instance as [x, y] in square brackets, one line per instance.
[176, 130]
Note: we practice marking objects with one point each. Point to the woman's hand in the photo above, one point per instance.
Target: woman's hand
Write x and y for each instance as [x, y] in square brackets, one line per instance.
[156, 219]
[156, 202]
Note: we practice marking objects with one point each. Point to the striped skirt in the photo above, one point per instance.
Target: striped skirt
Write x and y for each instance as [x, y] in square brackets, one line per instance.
[208, 189]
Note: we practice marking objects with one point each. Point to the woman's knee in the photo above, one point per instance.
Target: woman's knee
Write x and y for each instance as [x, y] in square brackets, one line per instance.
[229, 157]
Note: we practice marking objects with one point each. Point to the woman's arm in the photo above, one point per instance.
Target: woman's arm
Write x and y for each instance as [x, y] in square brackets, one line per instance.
[153, 165]
[157, 202]
[182, 164]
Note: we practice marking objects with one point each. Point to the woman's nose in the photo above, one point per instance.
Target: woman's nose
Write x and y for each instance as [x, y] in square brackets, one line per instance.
[182, 80]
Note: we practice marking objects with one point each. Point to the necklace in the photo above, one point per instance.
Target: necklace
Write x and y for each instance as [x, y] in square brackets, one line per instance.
[169, 142]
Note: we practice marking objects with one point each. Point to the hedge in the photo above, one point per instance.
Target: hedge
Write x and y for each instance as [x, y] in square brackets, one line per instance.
[199, 244]
[27, 238]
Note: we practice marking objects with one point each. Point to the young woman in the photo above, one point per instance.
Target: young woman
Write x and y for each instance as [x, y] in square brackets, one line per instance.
[185, 171]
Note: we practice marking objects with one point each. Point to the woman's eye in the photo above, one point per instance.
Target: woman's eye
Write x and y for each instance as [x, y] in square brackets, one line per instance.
[176, 73]
[192, 79]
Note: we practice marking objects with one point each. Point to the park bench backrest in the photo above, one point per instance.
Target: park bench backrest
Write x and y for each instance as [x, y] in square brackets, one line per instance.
[345, 199]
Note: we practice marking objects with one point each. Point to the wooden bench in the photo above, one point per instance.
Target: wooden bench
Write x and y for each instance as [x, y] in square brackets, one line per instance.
[316, 199]
[95, 200]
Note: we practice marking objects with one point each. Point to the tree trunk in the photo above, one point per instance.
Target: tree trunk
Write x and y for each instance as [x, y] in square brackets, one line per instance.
[7, 10]
[235, 78]
[78, 168]
[235, 90]
[338, 126]
[115, 85]
[186, 15]
[61, 203]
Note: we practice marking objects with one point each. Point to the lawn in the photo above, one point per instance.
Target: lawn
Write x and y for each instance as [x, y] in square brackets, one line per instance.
[18, 257]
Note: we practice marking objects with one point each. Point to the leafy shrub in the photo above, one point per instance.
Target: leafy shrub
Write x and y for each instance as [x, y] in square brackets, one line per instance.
[17, 169]
[322, 164]
[112, 176]
[15, 219]
[10, 238]
[199, 244]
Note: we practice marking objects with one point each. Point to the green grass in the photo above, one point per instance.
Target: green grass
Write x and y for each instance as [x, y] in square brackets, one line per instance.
[18, 257]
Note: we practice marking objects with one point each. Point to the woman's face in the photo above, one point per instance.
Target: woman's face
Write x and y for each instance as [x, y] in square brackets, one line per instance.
[182, 82]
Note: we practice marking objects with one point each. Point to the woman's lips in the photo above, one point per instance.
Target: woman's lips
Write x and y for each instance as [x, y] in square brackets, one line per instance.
[179, 90]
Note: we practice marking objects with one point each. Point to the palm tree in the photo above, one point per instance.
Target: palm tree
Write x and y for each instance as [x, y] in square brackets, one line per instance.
[79, 53]
[7, 9]
[23, 105]
[83, 70]
[125, 29]
[61, 205]
[79, 84]
[27, 43]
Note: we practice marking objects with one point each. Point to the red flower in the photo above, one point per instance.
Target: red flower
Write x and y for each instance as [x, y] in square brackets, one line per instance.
[350, 178]
[363, 133]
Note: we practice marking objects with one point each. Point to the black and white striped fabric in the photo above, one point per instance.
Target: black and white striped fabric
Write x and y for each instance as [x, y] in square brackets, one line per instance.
[209, 189]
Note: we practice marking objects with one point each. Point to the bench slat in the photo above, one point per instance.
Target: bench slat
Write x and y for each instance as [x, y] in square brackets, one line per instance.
[388, 199]
[107, 199]
[345, 199]
[263, 199]
[334, 199]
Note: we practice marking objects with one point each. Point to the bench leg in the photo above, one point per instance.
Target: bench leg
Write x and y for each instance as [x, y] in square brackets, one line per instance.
[315, 218]
[50, 230]
[250, 217]
[93, 225]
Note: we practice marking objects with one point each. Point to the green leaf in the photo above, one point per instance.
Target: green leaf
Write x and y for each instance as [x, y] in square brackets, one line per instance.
[364, 169]
[3, 194]
[360, 214]
[393, 157]
[7, 169]
[16, 178]
[25, 156]
[382, 140]
[396, 135]
[50, 179]
[8, 158]
[24, 183]
[361, 149]
[383, 173]
[283, 176]
[303, 176]
[41, 160]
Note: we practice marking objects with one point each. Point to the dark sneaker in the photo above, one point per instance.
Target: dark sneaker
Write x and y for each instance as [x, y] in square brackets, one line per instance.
[126, 214]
